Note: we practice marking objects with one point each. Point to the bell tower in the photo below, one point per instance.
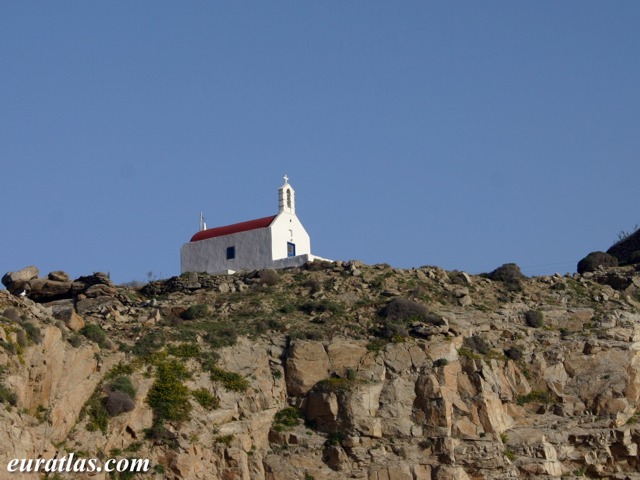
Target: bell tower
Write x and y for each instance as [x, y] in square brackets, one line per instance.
[286, 198]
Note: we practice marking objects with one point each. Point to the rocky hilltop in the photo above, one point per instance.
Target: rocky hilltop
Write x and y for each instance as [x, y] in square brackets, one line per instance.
[627, 250]
[328, 371]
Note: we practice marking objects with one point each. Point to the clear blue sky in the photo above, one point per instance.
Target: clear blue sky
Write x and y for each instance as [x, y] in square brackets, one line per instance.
[462, 134]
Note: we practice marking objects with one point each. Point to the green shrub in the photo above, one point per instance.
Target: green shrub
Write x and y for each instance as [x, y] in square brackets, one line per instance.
[468, 353]
[508, 272]
[64, 332]
[21, 338]
[286, 418]
[564, 333]
[209, 361]
[98, 415]
[206, 399]
[12, 314]
[313, 284]
[334, 384]
[320, 306]
[148, 344]
[537, 396]
[275, 325]
[591, 262]
[268, 277]
[168, 396]
[134, 447]
[392, 331]
[222, 336]
[477, 344]
[399, 313]
[118, 402]
[307, 334]
[456, 277]
[403, 310]
[122, 369]
[230, 380]
[42, 414]
[318, 265]
[7, 396]
[224, 439]
[376, 345]
[334, 439]
[8, 346]
[122, 384]
[33, 332]
[159, 434]
[441, 362]
[510, 454]
[287, 308]
[510, 275]
[75, 341]
[514, 353]
[184, 350]
[94, 333]
[259, 328]
[534, 318]
[633, 258]
[195, 311]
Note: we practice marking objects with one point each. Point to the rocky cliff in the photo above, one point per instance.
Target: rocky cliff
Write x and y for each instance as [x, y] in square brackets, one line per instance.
[329, 371]
[627, 250]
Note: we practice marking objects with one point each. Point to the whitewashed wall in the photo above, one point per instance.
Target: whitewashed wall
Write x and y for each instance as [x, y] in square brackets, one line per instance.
[287, 228]
[253, 251]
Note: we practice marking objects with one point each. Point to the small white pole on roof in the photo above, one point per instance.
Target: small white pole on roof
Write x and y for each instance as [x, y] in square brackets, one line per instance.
[203, 223]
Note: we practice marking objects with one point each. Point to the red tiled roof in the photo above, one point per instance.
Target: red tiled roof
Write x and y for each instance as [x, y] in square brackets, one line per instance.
[235, 228]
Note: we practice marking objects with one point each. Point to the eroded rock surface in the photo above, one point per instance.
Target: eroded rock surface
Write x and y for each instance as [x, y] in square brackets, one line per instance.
[306, 378]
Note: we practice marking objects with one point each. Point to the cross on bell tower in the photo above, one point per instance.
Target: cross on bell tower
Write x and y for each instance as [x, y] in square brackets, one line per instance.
[286, 198]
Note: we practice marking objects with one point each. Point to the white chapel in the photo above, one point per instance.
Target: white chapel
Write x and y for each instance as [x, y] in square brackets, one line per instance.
[277, 241]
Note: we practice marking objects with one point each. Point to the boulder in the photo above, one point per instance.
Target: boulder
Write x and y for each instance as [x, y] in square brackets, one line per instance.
[307, 364]
[26, 274]
[68, 315]
[345, 355]
[59, 276]
[394, 472]
[100, 290]
[322, 408]
[595, 260]
[616, 280]
[87, 305]
[16, 281]
[97, 278]
[465, 300]
[627, 250]
[450, 472]
[335, 457]
[44, 290]
[75, 322]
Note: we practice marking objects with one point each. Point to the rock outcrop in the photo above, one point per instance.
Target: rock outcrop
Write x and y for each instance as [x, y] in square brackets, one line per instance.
[305, 377]
[627, 250]
[57, 285]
